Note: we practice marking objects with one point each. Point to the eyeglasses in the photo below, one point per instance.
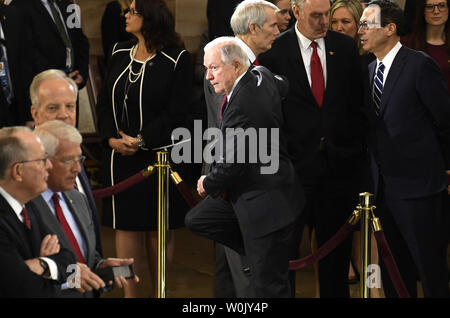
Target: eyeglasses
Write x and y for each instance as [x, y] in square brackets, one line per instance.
[74, 160]
[42, 160]
[366, 25]
[132, 11]
[441, 6]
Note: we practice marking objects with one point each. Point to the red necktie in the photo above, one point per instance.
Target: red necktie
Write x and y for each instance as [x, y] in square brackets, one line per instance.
[256, 62]
[26, 218]
[223, 105]
[62, 219]
[317, 80]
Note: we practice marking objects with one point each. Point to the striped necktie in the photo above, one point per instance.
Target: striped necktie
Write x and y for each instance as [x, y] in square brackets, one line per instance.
[378, 88]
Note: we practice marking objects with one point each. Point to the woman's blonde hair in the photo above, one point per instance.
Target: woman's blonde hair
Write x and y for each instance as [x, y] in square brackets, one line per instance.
[355, 8]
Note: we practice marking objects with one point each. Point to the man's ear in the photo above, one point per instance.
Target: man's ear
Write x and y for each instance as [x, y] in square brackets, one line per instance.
[391, 29]
[34, 112]
[252, 27]
[16, 172]
[296, 12]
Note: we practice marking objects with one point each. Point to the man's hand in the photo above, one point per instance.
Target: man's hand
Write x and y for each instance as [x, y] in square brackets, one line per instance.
[35, 266]
[119, 281]
[49, 245]
[88, 279]
[76, 76]
[201, 191]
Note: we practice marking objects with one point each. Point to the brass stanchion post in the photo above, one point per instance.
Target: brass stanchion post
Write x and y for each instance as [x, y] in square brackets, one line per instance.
[163, 212]
[365, 207]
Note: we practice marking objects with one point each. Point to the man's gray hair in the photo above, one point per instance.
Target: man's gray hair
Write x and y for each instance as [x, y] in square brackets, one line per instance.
[52, 132]
[250, 11]
[48, 75]
[230, 50]
[298, 3]
[12, 149]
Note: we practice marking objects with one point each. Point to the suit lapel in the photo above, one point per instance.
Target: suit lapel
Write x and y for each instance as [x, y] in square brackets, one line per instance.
[332, 73]
[41, 208]
[47, 17]
[393, 75]
[17, 229]
[79, 218]
[298, 65]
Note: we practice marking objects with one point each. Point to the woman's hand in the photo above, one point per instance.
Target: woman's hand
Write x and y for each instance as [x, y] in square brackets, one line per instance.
[126, 145]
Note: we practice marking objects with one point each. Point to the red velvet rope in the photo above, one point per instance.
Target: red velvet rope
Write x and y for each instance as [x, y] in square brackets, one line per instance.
[121, 186]
[325, 249]
[391, 265]
[187, 194]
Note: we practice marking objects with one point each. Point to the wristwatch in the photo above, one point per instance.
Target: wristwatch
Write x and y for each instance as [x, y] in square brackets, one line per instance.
[140, 141]
[44, 265]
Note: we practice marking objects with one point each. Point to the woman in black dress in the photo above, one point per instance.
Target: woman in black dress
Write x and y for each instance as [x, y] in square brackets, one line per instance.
[145, 96]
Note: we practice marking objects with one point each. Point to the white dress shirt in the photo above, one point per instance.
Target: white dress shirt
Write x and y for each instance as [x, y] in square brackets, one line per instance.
[388, 60]
[306, 50]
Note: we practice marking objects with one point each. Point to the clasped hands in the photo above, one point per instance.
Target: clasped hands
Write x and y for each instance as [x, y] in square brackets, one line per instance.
[126, 145]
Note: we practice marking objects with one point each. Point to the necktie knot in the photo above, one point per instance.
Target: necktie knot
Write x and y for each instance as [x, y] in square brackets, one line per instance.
[314, 45]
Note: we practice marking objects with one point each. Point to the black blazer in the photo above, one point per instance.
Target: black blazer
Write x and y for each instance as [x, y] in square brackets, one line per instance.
[410, 141]
[336, 129]
[47, 44]
[17, 244]
[19, 57]
[263, 203]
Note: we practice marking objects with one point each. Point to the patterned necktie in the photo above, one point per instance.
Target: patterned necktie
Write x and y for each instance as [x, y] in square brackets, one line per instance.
[317, 80]
[62, 32]
[62, 219]
[5, 77]
[378, 88]
[222, 108]
[26, 218]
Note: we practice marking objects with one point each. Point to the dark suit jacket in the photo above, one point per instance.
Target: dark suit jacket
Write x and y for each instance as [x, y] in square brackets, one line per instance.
[19, 57]
[17, 244]
[335, 129]
[263, 203]
[410, 142]
[85, 183]
[78, 205]
[47, 44]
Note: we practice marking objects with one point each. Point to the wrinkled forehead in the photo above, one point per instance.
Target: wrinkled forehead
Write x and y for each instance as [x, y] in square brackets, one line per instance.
[372, 14]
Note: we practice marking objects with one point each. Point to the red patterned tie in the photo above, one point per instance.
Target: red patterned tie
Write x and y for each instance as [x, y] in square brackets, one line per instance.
[26, 218]
[256, 62]
[317, 80]
[62, 219]
[223, 105]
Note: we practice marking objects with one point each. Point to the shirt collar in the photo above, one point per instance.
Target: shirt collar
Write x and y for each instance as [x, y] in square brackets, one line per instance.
[247, 50]
[389, 58]
[14, 204]
[234, 85]
[305, 42]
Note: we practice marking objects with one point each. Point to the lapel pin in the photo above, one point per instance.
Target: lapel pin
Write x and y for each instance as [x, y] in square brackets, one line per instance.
[331, 53]
[150, 63]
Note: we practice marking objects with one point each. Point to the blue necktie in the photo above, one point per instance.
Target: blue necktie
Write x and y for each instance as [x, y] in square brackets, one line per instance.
[378, 88]
[5, 78]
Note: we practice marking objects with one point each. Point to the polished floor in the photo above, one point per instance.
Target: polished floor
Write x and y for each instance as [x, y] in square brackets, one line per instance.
[190, 275]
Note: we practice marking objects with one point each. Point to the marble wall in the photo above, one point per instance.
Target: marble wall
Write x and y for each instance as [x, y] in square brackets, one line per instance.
[190, 17]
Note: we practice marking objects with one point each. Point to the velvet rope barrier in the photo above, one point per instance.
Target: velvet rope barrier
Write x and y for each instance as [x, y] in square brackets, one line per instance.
[326, 248]
[391, 265]
[184, 189]
[123, 185]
